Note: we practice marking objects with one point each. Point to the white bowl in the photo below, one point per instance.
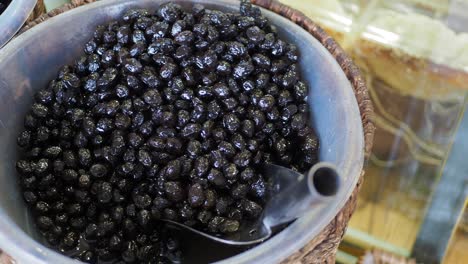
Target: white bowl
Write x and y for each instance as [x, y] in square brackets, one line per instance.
[28, 62]
[13, 18]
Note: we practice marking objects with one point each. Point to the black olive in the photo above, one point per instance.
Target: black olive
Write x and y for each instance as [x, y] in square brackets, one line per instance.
[133, 65]
[196, 195]
[231, 122]
[255, 34]
[170, 12]
[216, 178]
[236, 49]
[174, 191]
[243, 69]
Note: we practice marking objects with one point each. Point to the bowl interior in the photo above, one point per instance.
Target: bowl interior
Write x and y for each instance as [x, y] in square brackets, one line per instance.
[31, 60]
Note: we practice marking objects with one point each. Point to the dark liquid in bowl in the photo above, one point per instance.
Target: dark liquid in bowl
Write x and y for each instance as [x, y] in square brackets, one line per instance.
[203, 251]
[3, 5]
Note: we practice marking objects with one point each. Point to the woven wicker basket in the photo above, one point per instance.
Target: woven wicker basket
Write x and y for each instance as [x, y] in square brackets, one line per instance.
[321, 249]
[376, 256]
[39, 9]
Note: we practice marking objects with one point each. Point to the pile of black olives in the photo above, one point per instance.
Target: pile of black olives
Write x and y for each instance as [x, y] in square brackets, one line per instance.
[167, 115]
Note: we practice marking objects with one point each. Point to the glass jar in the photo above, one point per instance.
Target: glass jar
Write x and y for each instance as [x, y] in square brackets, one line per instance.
[414, 55]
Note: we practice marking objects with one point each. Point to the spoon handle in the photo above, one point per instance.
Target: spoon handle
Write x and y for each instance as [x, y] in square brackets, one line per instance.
[318, 186]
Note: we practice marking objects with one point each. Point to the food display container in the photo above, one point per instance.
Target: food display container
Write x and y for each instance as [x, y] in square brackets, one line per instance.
[33, 58]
